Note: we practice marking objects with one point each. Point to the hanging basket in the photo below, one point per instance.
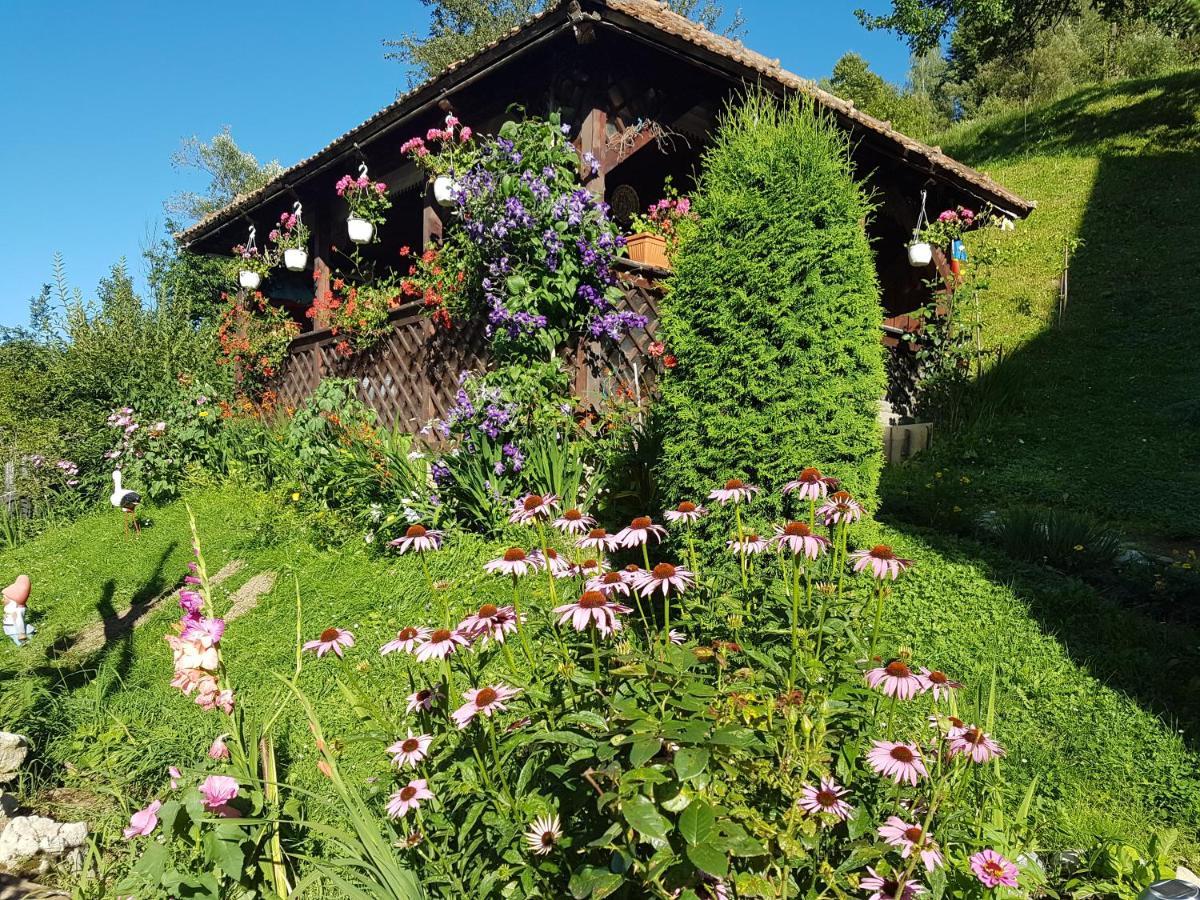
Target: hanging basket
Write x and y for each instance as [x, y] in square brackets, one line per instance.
[920, 254]
[249, 280]
[444, 189]
[361, 231]
[295, 260]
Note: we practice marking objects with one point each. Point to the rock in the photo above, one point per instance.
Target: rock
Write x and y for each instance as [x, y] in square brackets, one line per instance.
[8, 808]
[13, 750]
[1185, 874]
[36, 837]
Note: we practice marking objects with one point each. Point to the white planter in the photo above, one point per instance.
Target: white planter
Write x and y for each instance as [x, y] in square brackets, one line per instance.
[920, 253]
[361, 231]
[249, 280]
[295, 260]
[444, 188]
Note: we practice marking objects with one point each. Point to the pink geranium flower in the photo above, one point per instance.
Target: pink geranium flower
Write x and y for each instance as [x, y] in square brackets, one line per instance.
[825, 798]
[441, 643]
[664, 577]
[993, 870]
[798, 538]
[490, 621]
[974, 742]
[811, 485]
[331, 639]
[898, 833]
[599, 539]
[406, 639]
[408, 797]
[841, 508]
[484, 701]
[938, 683]
[572, 521]
[142, 822]
[897, 761]
[639, 532]
[410, 750]
[593, 608]
[418, 538]
[687, 512]
[889, 887]
[217, 791]
[896, 680]
[735, 491]
[515, 562]
[533, 508]
[424, 700]
[881, 560]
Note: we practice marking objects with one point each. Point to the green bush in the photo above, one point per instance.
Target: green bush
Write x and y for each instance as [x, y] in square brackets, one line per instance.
[773, 313]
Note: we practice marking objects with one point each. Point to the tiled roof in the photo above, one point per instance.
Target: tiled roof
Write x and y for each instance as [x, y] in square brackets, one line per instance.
[660, 18]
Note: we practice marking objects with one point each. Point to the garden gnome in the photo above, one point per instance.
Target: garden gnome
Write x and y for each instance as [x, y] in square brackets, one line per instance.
[16, 595]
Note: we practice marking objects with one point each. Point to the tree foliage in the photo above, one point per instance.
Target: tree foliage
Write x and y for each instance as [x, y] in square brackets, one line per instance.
[230, 171]
[773, 313]
[912, 111]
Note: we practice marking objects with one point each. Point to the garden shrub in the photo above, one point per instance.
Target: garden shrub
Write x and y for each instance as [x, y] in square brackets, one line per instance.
[773, 312]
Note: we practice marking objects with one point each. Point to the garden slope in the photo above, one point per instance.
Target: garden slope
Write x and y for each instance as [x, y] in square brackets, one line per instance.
[1105, 765]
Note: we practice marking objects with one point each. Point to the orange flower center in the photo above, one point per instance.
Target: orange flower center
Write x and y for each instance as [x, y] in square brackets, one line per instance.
[902, 754]
[797, 529]
[486, 697]
[415, 531]
[572, 515]
[410, 745]
[590, 563]
[882, 551]
[734, 484]
[532, 502]
[973, 736]
[488, 610]
[810, 475]
[633, 567]
[596, 533]
[994, 869]
[913, 834]
[329, 634]
[686, 506]
[955, 721]
[407, 634]
[592, 600]
[551, 553]
[938, 677]
[442, 634]
[640, 522]
[514, 554]
[752, 539]
[611, 578]
[898, 669]
[827, 799]
[663, 571]
[407, 792]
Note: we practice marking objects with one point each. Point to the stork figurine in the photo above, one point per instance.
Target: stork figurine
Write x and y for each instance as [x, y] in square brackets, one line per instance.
[125, 500]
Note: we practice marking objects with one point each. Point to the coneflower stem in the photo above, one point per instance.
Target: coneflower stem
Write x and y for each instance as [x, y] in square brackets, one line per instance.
[521, 627]
[878, 619]
[596, 656]
[432, 591]
[795, 619]
[692, 555]
[737, 514]
[546, 560]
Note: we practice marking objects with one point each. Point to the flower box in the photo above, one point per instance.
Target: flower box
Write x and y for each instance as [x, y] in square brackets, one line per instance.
[650, 249]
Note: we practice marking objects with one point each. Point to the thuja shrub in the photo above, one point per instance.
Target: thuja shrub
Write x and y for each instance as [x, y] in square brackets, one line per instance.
[773, 312]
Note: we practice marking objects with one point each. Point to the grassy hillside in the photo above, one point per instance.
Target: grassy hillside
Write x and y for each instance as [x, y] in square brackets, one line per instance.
[1103, 410]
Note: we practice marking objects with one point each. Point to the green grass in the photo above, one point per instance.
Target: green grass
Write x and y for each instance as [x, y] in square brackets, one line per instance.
[1105, 416]
[1075, 677]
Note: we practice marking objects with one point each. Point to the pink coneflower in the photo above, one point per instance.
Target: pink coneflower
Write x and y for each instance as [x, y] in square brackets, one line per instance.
[993, 870]
[589, 568]
[217, 791]
[599, 539]
[800, 540]
[408, 797]
[678, 638]
[889, 887]
[441, 643]
[592, 608]
[144, 821]
[219, 750]
[407, 639]
[840, 507]
[483, 701]
[664, 577]
[550, 559]
[896, 680]
[897, 761]
[533, 508]
[611, 583]
[515, 561]
[491, 621]
[825, 798]
[572, 521]
[811, 485]
[418, 538]
[735, 491]
[747, 545]
[331, 639]
[639, 532]
[687, 512]
[410, 750]
[543, 835]
[898, 833]
[974, 742]
[881, 560]
[424, 700]
[938, 683]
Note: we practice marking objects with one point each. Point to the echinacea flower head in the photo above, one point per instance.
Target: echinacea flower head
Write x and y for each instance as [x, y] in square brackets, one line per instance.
[216, 792]
[896, 680]
[811, 485]
[418, 538]
[407, 639]
[490, 621]
[687, 512]
[592, 608]
[551, 561]
[676, 637]
[664, 577]
[840, 508]
[611, 583]
[598, 539]
[827, 797]
[331, 639]
[735, 491]
[572, 521]
[993, 870]
[589, 568]
[408, 797]
[747, 544]
[974, 742]
[898, 833]
[514, 562]
[639, 532]
[938, 683]
[799, 539]
[889, 887]
[442, 642]
[543, 835]
[424, 700]
[898, 761]
[411, 750]
[143, 822]
[881, 560]
[533, 508]
[484, 701]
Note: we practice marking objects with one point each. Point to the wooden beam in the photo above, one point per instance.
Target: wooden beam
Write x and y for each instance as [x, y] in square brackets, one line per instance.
[611, 157]
[321, 250]
[593, 138]
[431, 221]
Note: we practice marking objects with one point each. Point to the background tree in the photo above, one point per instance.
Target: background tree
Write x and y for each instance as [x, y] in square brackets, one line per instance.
[230, 170]
[913, 112]
[457, 28]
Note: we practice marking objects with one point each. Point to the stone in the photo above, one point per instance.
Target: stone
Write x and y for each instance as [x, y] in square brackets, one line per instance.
[1185, 874]
[13, 750]
[8, 808]
[28, 838]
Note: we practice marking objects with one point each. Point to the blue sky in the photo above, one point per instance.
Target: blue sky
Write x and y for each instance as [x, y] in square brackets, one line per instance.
[96, 94]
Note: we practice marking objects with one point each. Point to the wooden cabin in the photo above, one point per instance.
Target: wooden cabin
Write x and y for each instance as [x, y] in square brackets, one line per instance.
[641, 88]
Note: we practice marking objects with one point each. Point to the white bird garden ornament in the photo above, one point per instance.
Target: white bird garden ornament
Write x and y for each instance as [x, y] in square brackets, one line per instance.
[125, 500]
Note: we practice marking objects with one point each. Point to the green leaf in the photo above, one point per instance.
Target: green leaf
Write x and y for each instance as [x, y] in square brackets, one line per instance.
[690, 762]
[642, 751]
[644, 818]
[709, 859]
[228, 856]
[698, 822]
[153, 862]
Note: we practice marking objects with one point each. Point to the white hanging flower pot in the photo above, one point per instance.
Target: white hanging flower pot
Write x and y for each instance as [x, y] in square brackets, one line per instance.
[444, 188]
[249, 280]
[361, 231]
[920, 253]
[295, 259]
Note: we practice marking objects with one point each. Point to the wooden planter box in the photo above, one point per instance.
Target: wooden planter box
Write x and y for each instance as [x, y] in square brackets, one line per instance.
[650, 249]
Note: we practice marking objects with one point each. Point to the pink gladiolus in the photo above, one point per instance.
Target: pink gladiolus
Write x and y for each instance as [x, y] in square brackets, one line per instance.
[219, 750]
[144, 821]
